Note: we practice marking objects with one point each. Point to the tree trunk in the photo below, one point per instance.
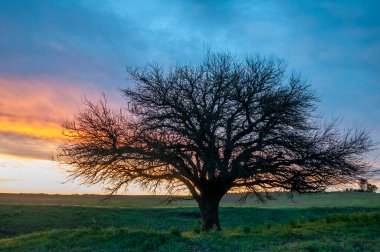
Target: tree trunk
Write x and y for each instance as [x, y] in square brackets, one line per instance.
[209, 206]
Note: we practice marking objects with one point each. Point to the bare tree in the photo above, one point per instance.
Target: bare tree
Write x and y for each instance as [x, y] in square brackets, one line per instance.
[371, 188]
[364, 186]
[363, 183]
[227, 125]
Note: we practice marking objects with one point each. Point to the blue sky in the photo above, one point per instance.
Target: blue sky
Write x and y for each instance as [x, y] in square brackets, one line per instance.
[54, 52]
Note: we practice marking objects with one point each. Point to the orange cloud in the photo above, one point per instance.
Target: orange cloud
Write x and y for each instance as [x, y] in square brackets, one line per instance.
[36, 108]
[32, 111]
[7, 180]
[27, 147]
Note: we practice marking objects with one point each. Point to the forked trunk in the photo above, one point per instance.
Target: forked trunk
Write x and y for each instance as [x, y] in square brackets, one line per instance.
[209, 206]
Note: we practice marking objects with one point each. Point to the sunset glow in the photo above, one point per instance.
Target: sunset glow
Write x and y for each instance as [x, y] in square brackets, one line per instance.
[32, 113]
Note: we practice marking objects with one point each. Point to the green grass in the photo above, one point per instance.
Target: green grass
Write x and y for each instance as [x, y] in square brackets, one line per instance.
[321, 222]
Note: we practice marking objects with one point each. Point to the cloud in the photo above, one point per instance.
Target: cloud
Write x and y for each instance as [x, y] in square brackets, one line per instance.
[32, 111]
[24, 146]
[67, 39]
[37, 107]
[4, 180]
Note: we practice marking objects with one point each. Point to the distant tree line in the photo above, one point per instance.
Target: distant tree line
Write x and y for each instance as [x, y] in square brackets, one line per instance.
[364, 186]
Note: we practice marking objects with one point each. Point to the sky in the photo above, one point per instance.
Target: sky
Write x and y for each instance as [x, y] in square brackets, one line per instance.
[54, 53]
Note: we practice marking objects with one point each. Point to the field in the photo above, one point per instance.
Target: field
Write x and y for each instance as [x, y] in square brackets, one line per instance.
[316, 222]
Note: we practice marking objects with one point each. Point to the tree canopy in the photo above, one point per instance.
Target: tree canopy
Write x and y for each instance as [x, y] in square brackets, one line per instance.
[226, 125]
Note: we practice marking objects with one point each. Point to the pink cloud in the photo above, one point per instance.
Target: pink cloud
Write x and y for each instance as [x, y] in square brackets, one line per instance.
[32, 111]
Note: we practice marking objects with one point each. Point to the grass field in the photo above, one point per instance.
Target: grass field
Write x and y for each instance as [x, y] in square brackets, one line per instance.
[319, 222]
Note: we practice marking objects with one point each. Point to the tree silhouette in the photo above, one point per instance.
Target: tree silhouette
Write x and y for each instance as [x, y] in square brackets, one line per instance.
[363, 183]
[227, 125]
[364, 186]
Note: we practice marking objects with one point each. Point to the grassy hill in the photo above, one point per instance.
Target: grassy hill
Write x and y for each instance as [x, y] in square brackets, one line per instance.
[317, 222]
